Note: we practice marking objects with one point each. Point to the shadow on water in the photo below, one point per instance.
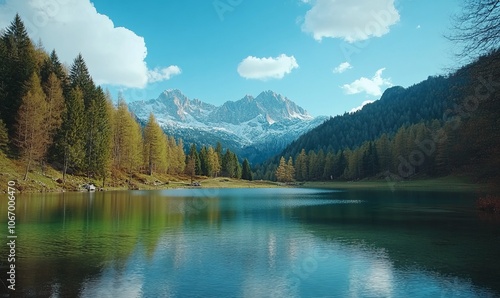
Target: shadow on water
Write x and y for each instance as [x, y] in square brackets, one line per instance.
[438, 232]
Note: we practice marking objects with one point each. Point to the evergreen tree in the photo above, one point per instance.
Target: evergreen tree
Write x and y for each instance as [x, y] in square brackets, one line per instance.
[290, 170]
[70, 139]
[341, 162]
[18, 62]
[32, 137]
[301, 166]
[204, 161]
[193, 153]
[4, 137]
[80, 77]
[98, 132]
[52, 65]
[246, 173]
[329, 166]
[229, 164]
[312, 165]
[55, 104]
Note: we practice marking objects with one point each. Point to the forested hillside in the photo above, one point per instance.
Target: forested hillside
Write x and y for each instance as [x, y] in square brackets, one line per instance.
[55, 117]
[443, 125]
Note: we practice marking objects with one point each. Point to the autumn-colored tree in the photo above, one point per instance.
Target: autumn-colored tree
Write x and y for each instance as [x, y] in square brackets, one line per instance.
[155, 147]
[127, 139]
[32, 135]
[285, 171]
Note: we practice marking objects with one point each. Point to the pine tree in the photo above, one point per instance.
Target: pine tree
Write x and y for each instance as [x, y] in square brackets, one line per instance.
[98, 132]
[55, 104]
[80, 77]
[301, 166]
[204, 161]
[246, 173]
[312, 164]
[290, 170]
[329, 166]
[32, 137]
[70, 139]
[341, 163]
[17, 64]
[193, 153]
[52, 65]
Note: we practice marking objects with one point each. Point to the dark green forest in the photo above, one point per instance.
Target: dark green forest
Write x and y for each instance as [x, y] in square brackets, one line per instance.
[445, 125]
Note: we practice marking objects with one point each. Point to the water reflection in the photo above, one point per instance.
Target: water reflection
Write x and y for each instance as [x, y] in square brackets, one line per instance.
[252, 243]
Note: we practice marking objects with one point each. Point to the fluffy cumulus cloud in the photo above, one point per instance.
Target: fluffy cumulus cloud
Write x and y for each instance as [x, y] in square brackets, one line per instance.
[361, 106]
[267, 68]
[371, 86]
[352, 20]
[114, 55]
[342, 67]
[162, 74]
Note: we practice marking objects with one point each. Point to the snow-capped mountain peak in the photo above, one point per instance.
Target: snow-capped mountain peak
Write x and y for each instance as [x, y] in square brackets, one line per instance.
[255, 127]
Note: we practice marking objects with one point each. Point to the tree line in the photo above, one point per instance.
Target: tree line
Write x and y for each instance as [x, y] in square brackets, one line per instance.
[58, 116]
[463, 139]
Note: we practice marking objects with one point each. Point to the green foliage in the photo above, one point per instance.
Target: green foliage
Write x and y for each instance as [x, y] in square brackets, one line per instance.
[17, 64]
[442, 126]
[246, 173]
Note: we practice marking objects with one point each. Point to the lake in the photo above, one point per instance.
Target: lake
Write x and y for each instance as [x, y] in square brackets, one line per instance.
[281, 242]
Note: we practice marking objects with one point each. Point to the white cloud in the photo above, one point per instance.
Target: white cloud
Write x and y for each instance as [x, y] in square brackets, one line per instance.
[361, 106]
[351, 20]
[157, 74]
[114, 55]
[371, 86]
[342, 67]
[267, 68]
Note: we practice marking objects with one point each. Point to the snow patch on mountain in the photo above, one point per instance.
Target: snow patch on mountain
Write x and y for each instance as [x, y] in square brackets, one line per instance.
[256, 127]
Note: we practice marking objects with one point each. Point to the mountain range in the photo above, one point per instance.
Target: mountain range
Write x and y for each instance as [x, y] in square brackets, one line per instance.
[254, 127]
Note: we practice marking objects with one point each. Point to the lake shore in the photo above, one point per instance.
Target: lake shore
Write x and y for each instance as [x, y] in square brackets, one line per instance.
[50, 181]
[448, 183]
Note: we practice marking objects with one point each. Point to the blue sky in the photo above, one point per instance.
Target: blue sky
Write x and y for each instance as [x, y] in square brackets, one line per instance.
[329, 56]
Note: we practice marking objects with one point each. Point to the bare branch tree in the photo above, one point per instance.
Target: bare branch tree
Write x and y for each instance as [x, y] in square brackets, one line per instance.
[477, 28]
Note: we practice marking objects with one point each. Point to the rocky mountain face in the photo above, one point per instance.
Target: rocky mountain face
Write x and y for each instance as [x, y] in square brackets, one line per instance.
[254, 128]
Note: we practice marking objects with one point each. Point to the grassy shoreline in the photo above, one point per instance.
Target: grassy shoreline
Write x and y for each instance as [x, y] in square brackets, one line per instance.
[48, 182]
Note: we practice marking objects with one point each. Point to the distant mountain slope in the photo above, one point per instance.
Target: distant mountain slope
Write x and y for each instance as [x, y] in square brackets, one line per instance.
[255, 128]
[441, 126]
[397, 107]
